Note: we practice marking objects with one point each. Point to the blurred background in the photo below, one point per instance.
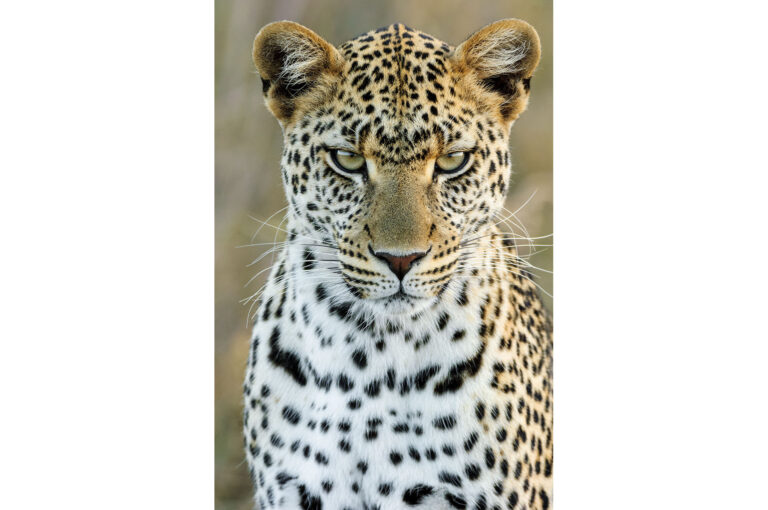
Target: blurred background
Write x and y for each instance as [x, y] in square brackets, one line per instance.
[248, 145]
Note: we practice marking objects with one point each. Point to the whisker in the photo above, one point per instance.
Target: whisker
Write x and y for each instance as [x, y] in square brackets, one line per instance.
[297, 234]
[263, 223]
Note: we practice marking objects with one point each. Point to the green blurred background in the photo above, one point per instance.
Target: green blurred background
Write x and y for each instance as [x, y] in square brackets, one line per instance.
[248, 145]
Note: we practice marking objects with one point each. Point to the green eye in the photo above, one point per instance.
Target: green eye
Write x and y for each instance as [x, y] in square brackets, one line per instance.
[348, 161]
[452, 163]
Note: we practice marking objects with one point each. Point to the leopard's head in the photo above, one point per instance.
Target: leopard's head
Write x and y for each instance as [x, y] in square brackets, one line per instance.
[396, 148]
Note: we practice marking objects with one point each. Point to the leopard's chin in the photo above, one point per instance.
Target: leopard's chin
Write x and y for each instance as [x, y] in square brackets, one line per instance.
[401, 303]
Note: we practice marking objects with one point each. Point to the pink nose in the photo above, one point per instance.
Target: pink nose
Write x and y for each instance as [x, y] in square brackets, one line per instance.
[400, 264]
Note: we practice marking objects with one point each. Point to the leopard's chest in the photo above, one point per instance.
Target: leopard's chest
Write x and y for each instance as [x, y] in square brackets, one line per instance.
[365, 414]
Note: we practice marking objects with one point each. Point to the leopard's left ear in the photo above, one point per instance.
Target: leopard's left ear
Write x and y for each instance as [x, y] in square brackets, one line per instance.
[502, 57]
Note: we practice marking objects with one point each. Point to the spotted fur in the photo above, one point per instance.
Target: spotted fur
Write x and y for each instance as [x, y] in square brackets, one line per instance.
[364, 391]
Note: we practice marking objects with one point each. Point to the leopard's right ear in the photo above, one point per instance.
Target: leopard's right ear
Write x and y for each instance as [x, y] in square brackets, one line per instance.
[294, 63]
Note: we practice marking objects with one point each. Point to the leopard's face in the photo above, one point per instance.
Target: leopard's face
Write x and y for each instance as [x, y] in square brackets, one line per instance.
[396, 148]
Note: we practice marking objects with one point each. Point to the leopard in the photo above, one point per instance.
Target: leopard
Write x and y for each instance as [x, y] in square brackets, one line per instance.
[401, 356]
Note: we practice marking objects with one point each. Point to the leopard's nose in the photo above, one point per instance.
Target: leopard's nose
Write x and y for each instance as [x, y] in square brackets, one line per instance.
[399, 264]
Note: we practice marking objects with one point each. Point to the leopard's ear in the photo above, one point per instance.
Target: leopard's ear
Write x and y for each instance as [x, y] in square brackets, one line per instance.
[502, 57]
[294, 63]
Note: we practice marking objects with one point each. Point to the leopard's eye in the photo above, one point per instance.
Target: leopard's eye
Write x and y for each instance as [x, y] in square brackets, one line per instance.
[348, 161]
[452, 163]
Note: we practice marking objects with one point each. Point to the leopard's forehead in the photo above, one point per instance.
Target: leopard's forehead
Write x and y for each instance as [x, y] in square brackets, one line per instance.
[398, 84]
[399, 51]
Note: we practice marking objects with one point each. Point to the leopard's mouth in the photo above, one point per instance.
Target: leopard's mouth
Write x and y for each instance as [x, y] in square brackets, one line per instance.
[402, 303]
[400, 295]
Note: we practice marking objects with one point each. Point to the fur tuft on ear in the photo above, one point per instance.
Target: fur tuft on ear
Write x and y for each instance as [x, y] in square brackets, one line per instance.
[292, 61]
[502, 57]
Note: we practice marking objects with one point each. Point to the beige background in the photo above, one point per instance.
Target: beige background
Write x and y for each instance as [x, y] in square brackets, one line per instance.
[248, 144]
